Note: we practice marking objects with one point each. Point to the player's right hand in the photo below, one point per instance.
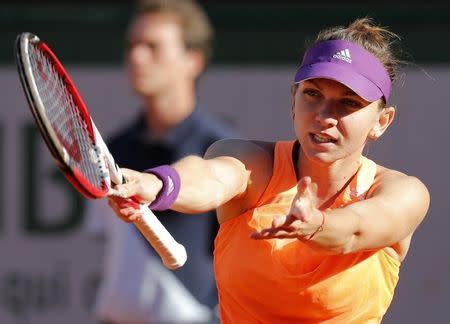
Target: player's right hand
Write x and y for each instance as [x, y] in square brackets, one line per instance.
[126, 209]
[139, 188]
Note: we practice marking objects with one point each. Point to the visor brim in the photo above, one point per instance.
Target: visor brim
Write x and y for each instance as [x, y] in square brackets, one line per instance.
[362, 86]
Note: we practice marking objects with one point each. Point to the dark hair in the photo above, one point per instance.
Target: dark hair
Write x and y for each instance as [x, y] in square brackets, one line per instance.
[378, 40]
[196, 28]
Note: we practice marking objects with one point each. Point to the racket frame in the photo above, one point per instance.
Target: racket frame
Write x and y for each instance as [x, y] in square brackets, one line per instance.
[171, 252]
[55, 146]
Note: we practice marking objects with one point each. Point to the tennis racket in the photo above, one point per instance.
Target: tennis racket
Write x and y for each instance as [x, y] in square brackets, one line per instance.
[73, 139]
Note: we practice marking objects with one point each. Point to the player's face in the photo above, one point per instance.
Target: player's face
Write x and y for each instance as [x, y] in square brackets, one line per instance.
[156, 56]
[331, 121]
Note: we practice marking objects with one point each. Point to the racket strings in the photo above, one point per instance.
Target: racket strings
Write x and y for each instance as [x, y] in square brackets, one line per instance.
[65, 118]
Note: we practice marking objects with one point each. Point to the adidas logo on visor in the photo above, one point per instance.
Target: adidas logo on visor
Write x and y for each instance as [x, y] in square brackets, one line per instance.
[343, 55]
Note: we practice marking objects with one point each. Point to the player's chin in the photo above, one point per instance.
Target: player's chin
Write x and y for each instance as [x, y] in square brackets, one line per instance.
[322, 157]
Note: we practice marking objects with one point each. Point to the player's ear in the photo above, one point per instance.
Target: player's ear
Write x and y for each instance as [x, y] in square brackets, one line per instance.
[197, 62]
[384, 119]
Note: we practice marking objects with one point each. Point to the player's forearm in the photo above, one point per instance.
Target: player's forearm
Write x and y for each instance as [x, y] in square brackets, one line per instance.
[207, 184]
[340, 230]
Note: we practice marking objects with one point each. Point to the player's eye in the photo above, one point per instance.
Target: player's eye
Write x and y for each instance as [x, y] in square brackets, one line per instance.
[350, 103]
[311, 93]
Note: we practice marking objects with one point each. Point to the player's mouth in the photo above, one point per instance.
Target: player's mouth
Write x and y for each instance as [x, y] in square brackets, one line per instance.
[322, 138]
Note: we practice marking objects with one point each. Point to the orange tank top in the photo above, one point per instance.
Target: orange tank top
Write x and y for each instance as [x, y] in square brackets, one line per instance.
[285, 281]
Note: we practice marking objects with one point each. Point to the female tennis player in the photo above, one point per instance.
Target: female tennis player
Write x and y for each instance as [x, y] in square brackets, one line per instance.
[311, 230]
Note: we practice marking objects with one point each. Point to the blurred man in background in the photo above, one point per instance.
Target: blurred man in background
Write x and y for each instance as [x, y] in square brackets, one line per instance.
[169, 43]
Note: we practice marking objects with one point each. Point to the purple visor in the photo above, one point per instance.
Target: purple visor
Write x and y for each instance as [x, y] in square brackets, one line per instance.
[348, 64]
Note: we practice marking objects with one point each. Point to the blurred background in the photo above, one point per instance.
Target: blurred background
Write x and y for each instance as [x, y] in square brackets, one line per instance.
[50, 268]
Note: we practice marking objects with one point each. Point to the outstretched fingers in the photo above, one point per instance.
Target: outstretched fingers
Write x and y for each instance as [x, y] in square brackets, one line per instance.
[303, 185]
[306, 188]
[300, 219]
[282, 227]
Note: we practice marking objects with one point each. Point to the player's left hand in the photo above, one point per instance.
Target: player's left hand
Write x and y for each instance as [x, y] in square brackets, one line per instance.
[303, 219]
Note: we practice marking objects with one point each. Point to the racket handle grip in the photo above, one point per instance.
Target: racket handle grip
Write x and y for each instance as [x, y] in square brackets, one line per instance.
[172, 253]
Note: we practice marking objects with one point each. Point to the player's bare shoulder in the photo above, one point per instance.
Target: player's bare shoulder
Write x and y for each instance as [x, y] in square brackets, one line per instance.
[254, 154]
[386, 174]
[257, 157]
[395, 181]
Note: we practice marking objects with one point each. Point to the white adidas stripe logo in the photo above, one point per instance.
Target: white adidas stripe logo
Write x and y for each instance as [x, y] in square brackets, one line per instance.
[343, 55]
